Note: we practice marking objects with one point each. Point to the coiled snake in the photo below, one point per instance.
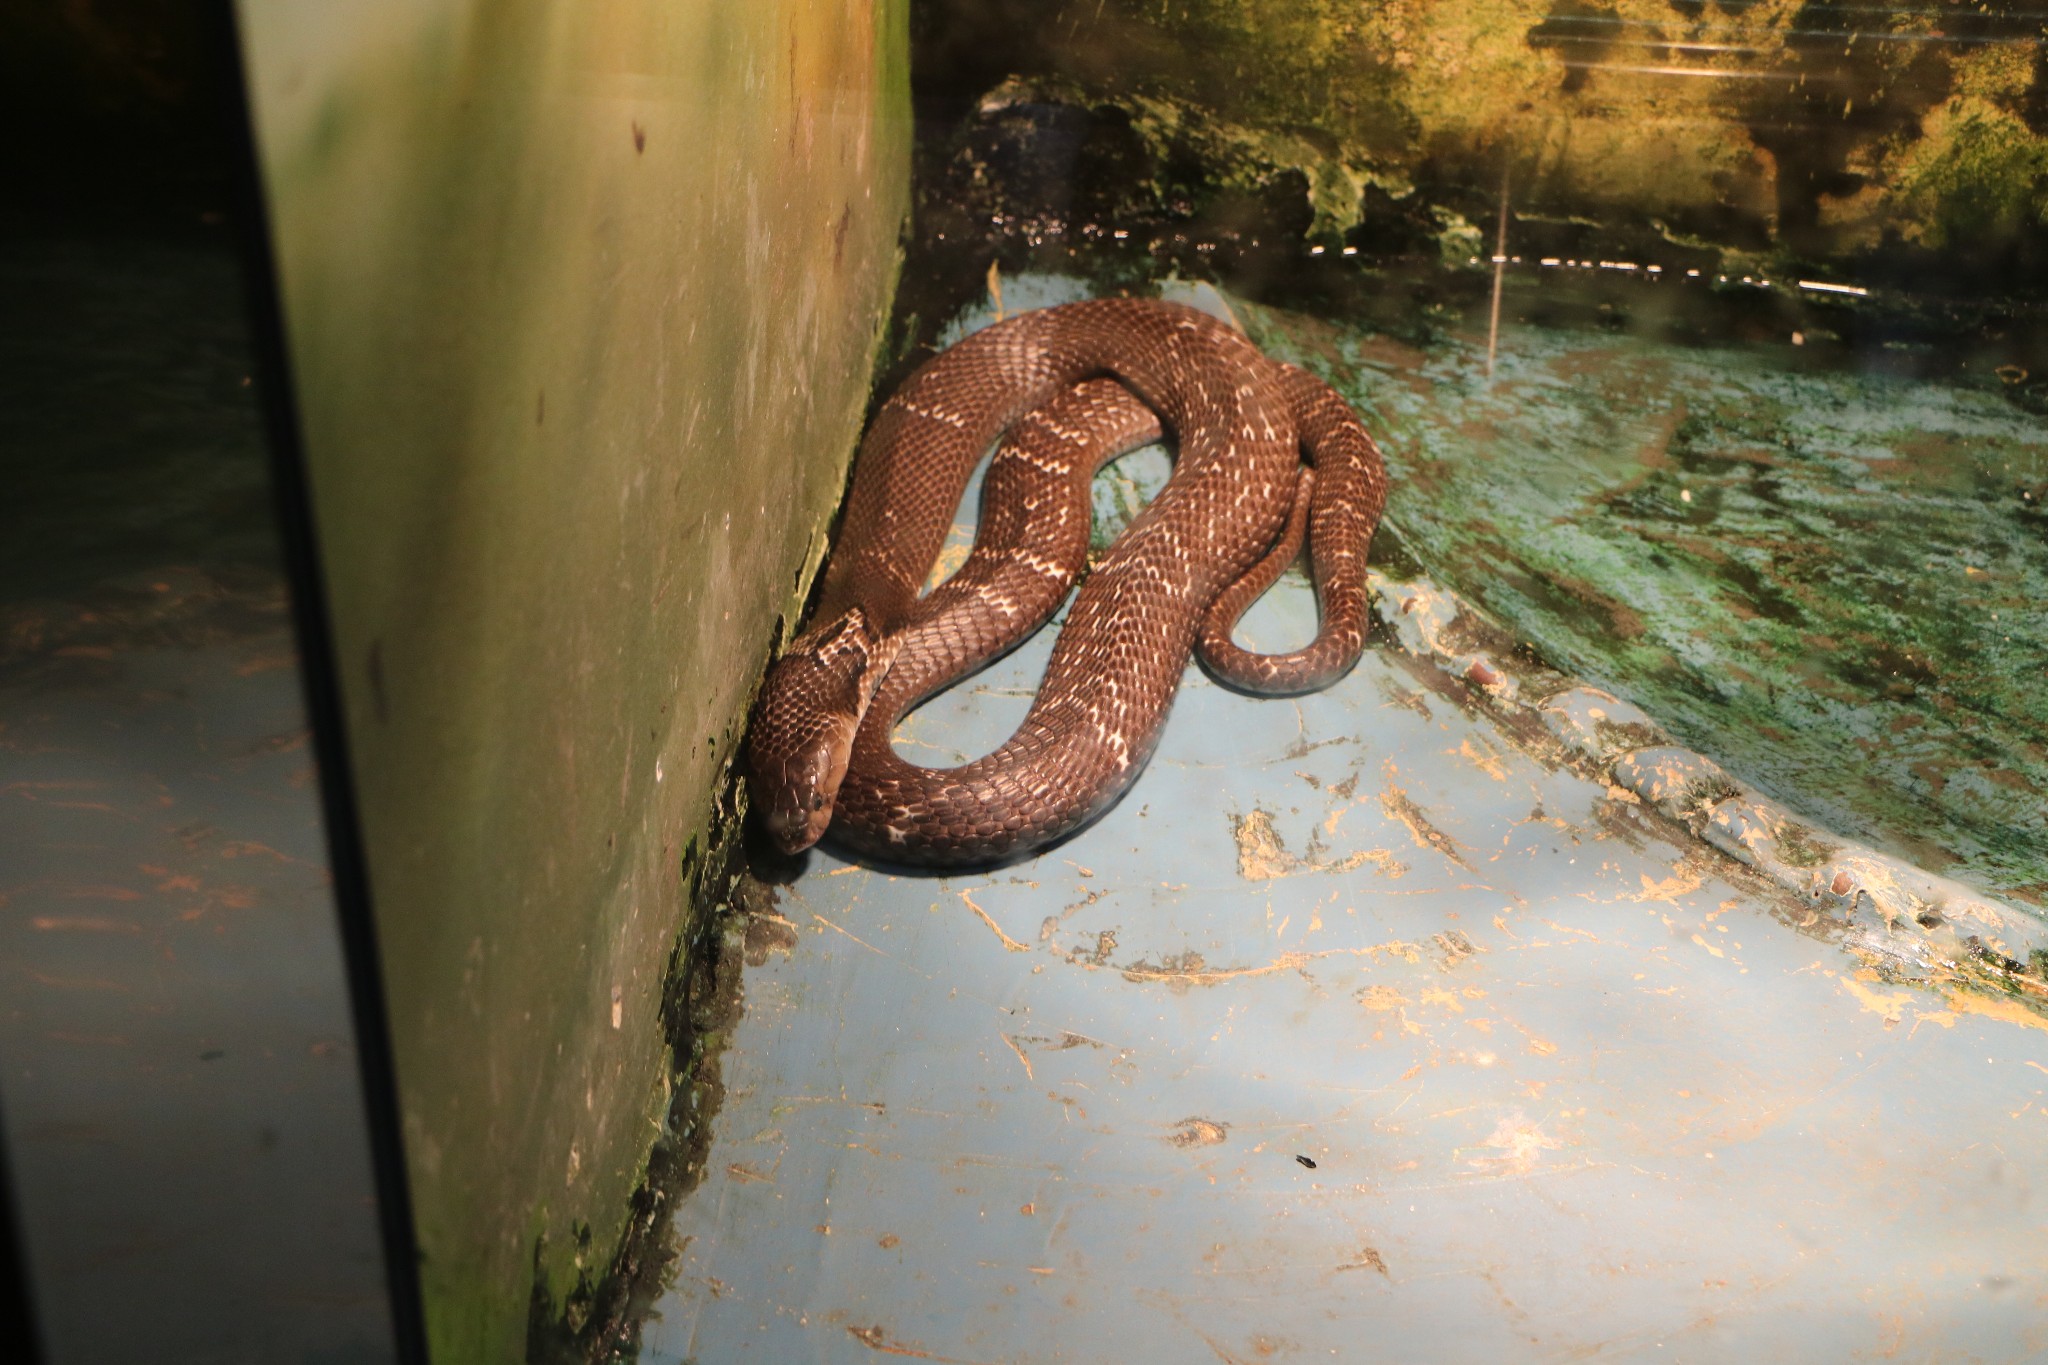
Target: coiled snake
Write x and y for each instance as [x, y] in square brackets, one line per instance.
[1058, 386]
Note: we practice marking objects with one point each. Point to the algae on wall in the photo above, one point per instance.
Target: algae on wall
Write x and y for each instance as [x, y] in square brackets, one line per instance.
[1835, 583]
[582, 303]
[1824, 130]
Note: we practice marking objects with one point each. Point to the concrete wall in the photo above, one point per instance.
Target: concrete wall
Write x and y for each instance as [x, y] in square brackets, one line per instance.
[583, 300]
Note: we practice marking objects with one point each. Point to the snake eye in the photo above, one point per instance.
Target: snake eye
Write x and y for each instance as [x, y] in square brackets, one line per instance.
[817, 800]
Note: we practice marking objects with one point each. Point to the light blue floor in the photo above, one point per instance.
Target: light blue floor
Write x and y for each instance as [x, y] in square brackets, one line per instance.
[1573, 1088]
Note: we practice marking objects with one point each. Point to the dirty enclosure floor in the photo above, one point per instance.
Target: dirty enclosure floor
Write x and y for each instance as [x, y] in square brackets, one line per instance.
[1357, 1031]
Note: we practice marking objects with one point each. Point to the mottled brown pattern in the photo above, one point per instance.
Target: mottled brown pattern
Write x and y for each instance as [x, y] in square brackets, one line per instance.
[1227, 523]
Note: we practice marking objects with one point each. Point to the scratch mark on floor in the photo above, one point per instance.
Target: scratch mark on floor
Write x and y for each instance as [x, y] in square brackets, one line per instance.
[850, 934]
[1010, 943]
[1426, 835]
[875, 1339]
[1190, 970]
[1020, 1056]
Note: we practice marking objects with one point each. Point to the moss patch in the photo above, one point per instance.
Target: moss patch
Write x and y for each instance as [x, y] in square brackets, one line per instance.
[1832, 582]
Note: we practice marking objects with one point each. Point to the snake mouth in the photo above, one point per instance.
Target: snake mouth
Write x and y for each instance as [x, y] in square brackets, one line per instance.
[798, 794]
[795, 831]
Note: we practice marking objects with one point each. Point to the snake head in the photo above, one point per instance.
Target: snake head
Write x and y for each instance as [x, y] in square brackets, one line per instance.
[802, 738]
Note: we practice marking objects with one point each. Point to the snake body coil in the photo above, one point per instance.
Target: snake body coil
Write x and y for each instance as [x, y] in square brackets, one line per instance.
[1228, 522]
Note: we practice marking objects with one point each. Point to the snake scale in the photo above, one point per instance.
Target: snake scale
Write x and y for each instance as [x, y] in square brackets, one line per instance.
[1065, 389]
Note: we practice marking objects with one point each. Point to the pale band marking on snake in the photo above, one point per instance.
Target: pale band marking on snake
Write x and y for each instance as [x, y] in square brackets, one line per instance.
[1058, 386]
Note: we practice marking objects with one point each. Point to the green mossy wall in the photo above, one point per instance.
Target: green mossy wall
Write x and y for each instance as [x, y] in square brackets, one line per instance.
[583, 302]
[1818, 129]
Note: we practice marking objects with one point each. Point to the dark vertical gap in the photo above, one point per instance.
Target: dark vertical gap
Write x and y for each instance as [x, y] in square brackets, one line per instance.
[319, 675]
[19, 1338]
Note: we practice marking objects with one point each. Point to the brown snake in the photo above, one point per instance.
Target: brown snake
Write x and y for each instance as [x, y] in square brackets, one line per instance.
[1227, 524]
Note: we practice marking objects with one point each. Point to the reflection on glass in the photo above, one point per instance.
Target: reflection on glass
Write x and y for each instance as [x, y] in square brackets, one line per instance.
[183, 1111]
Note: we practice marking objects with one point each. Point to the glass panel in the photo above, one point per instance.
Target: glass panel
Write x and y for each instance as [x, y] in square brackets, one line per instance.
[184, 1113]
[1639, 955]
